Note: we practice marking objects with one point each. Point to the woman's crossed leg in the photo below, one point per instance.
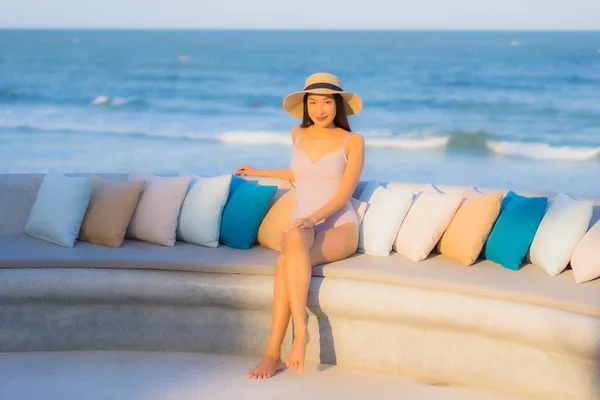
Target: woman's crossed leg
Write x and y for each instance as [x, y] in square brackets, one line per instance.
[302, 249]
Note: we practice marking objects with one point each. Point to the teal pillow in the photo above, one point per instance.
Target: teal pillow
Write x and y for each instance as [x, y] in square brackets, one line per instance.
[236, 181]
[507, 198]
[243, 214]
[514, 230]
[59, 208]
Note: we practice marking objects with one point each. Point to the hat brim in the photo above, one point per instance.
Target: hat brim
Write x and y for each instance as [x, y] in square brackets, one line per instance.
[293, 103]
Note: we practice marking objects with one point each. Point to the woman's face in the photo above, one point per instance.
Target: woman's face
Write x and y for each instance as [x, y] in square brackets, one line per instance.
[321, 110]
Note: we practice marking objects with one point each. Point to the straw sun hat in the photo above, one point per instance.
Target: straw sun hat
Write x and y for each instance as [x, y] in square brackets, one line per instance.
[321, 83]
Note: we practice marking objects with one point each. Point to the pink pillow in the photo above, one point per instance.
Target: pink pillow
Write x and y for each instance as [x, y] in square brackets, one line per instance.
[585, 261]
[425, 223]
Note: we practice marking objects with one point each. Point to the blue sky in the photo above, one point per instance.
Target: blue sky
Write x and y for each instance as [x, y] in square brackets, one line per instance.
[305, 14]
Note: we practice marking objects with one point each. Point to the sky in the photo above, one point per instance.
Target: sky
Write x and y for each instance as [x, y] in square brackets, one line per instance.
[303, 14]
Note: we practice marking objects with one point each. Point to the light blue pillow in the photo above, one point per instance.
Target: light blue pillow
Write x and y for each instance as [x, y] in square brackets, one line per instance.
[514, 230]
[59, 209]
[200, 216]
[243, 214]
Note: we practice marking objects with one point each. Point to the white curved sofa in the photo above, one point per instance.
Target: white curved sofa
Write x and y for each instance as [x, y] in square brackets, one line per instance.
[519, 331]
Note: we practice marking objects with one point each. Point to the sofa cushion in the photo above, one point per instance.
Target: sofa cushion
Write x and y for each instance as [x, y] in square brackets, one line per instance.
[243, 214]
[426, 221]
[563, 226]
[25, 252]
[155, 217]
[385, 212]
[530, 285]
[200, 216]
[59, 209]
[470, 227]
[109, 212]
[585, 261]
[514, 230]
[485, 278]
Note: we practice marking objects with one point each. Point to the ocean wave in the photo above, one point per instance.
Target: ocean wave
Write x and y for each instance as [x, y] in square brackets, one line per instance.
[451, 141]
[544, 151]
[269, 138]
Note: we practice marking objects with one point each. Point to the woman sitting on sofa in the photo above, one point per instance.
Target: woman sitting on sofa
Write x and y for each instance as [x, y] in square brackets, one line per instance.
[326, 165]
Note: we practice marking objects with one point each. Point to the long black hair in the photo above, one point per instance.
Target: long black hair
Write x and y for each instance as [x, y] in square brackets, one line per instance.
[340, 120]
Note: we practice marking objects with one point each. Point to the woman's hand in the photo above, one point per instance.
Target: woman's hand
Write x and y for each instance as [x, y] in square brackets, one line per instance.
[305, 223]
[246, 170]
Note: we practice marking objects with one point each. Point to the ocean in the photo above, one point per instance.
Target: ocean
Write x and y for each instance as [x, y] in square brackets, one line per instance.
[516, 110]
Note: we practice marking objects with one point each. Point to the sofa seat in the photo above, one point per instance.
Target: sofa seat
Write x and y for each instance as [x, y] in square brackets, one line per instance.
[483, 279]
[523, 331]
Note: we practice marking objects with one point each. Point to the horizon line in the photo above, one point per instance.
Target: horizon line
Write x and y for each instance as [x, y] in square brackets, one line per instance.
[229, 29]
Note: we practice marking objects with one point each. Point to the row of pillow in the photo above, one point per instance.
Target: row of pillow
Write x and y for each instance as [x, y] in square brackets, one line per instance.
[150, 208]
[230, 210]
[505, 229]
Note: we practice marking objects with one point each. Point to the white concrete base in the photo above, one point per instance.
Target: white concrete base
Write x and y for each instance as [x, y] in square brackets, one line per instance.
[130, 375]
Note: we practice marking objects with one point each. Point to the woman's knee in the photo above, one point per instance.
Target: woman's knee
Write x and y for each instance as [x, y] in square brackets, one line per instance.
[291, 239]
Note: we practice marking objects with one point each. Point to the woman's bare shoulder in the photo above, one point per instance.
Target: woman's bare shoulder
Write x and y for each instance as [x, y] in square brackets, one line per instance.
[356, 140]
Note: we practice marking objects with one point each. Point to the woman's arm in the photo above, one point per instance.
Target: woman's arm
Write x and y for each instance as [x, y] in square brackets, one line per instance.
[354, 167]
[285, 174]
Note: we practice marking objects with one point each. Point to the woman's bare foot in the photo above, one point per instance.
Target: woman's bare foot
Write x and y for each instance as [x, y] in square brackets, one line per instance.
[267, 367]
[295, 358]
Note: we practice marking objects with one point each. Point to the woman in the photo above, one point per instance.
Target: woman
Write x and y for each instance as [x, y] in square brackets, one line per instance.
[326, 165]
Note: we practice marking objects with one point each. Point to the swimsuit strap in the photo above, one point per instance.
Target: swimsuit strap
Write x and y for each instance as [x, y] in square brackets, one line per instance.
[344, 143]
[297, 138]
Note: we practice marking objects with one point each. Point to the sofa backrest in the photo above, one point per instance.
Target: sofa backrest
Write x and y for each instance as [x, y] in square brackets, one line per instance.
[456, 189]
[18, 193]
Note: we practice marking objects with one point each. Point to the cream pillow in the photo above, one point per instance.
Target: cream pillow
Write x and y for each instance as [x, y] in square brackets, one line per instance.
[425, 223]
[562, 227]
[386, 210]
[586, 257]
[469, 229]
[155, 217]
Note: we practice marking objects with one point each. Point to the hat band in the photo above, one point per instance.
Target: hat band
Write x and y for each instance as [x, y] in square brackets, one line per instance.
[323, 86]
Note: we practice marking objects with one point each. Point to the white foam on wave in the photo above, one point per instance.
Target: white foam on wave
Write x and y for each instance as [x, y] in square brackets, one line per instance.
[100, 100]
[409, 143]
[544, 151]
[255, 138]
[113, 102]
[269, 138]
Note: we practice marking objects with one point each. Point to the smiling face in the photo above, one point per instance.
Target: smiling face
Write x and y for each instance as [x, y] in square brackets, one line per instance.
[321, 110]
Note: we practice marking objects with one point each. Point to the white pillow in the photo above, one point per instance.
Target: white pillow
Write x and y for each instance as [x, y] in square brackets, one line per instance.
[428, 218]
[201, 212]
[155, 217]
[586, 257]
[59, 208]
[564, 224]
[385, 212]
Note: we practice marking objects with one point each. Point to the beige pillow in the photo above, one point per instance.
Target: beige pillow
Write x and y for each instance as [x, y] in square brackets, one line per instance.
[469, 229]
[109, 211]
[278, 219]
[279, 216]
